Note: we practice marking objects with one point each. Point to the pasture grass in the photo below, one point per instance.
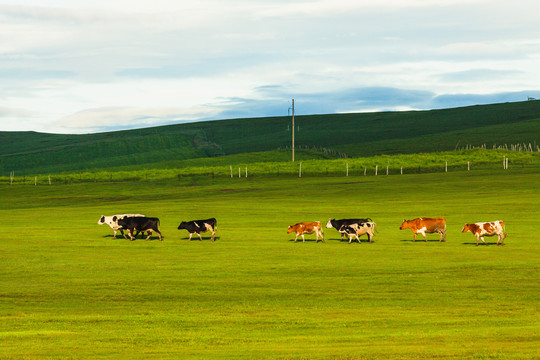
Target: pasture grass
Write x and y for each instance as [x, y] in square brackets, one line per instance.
[355, 134]
[278, 163]
[68, 290]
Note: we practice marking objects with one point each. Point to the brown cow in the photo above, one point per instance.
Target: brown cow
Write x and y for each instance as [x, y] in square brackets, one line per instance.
[306, 228]
[426, 225]
[481, 229]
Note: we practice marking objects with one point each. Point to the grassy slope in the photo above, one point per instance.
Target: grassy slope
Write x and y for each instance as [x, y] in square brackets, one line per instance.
[355, 134]
[69, 290]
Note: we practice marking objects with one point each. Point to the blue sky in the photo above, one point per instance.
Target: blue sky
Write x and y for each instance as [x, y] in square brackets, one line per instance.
[98, 65]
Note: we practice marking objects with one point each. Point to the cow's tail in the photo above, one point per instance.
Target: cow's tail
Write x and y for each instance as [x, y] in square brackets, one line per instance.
[375, 227]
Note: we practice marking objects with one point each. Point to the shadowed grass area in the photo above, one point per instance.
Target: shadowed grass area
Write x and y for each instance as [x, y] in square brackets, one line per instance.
[70, 290]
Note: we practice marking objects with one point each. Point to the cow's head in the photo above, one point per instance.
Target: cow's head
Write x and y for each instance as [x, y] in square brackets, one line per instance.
[329, 223]
[467, 227]
[290, 229]
[101, 220]
[182, 225]
[122, 223]
[404, 225]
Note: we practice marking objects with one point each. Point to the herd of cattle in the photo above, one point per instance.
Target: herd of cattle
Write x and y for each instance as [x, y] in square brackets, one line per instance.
[352, 228]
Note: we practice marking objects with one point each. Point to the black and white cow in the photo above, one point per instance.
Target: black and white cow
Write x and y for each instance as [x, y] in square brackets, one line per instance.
[357, 230]
[338, 224]
[140, 224]
[199, 226]
[112, 221]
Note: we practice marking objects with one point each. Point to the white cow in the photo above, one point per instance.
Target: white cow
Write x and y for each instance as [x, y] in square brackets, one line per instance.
[357, 230]
[112, 221]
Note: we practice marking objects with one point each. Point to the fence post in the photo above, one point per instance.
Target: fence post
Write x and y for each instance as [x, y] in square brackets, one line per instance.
[376, 169]
[49, 179]
[365, 170]
[300, 170]
[230, 166]
[386, 168]
[239, 173]
[504, 162]
[401, 171]
[347, 169]
[35, 180]
[468, 165]
[446, 166]
[246, 171]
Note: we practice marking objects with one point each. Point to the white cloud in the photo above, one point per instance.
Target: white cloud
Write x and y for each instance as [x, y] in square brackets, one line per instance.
[83, 64]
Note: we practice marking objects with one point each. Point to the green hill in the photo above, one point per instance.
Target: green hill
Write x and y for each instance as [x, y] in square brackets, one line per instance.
[357, 134]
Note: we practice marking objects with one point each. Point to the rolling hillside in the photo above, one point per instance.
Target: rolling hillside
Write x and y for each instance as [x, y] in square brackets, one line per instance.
[358, 134]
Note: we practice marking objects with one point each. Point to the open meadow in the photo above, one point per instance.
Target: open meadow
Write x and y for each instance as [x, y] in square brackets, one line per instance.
[69, 290]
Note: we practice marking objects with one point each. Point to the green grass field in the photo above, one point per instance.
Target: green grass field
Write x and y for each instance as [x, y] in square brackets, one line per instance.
[355, 134]
[68, 290]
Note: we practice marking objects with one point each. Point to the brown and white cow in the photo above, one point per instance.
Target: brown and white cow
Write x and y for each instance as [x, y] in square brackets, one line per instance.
[357, 230]
[426, 225]
[307, 228]
[492, 228]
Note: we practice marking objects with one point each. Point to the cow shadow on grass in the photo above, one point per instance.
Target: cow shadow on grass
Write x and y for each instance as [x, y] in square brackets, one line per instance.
[421, 241]
[345, 241]
[482, 244]
[299, 240]
[204, 238]
[138, 238]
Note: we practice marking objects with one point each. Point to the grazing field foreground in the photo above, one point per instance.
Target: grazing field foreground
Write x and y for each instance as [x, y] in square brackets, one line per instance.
[68, 290]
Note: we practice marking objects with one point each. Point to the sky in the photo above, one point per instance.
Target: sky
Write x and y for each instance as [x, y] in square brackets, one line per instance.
[89, 66]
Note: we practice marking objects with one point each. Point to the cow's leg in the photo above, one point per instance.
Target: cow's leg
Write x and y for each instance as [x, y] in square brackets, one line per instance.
[296, 237]
[130, 235]
[114, 234]
[303, 238]
[477, 238]
[369, 236]
[159, 234]
[414, 239]
[501, 238]
[209, 228]
[322, 236]
[200, 238]
[149, 234]
[483, 240]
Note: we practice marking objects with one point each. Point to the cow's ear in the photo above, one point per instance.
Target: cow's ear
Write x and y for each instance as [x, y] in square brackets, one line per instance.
[114, 218]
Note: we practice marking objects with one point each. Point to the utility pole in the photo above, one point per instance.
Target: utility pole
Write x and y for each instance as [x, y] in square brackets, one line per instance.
[292, 130]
